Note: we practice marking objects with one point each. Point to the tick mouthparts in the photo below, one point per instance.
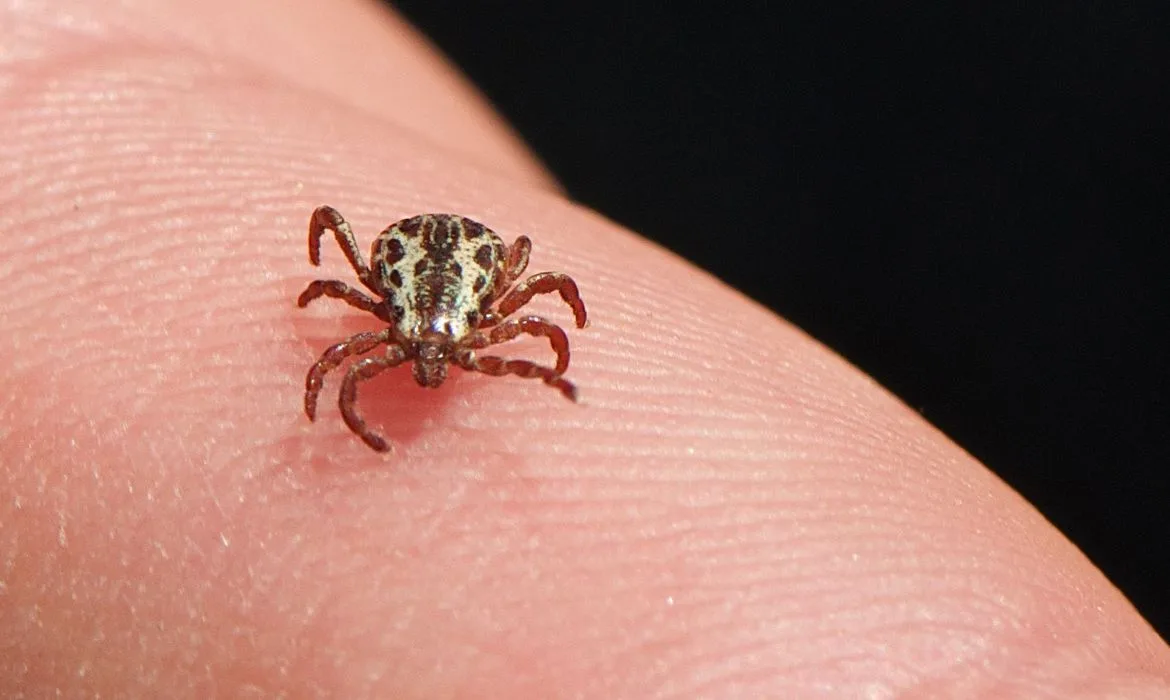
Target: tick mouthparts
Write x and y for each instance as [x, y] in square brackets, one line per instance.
[430, 363]
[433, 347]
[429, 373]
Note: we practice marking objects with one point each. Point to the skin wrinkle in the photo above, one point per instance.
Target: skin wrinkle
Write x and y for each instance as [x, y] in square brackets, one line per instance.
[733, 510]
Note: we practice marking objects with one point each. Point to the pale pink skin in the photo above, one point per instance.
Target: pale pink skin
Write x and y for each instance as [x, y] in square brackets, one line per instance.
[731, 511]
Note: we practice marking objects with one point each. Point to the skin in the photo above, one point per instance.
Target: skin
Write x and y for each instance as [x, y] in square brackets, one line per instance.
[732, 510]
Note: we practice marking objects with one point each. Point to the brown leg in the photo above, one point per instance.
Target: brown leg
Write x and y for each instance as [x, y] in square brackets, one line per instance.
[341, 290]
[333, 356]
[498, 367]
[329, 219]
[542, 283]
[518, 258]
[347, 400]
[532, 325]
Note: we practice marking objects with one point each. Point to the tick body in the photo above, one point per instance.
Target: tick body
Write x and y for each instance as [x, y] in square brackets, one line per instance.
[446, 286]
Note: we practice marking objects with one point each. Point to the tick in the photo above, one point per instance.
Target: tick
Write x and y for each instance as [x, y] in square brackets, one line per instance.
[445, 286]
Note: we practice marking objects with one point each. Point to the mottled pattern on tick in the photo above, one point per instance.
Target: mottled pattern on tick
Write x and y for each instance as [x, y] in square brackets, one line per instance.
[436, 278]
[444, 268]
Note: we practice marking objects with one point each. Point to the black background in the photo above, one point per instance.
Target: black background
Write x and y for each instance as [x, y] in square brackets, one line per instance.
[970, 204]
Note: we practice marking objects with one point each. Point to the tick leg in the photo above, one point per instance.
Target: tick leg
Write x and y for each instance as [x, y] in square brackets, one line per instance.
[532, 325]
[518, 258]
[329, 219]
[498, 366]
[333, 356]
[542, 283]
[340, 290]
[361, 371]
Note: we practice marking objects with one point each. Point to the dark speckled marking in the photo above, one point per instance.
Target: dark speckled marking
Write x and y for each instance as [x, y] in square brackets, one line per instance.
[437, 238]
[454, 228]
[432, 292]
[410, 227]
[483, 256]
[420, 266]
[479, 284]
[396, 278]
[392, 251]
[472, 229]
